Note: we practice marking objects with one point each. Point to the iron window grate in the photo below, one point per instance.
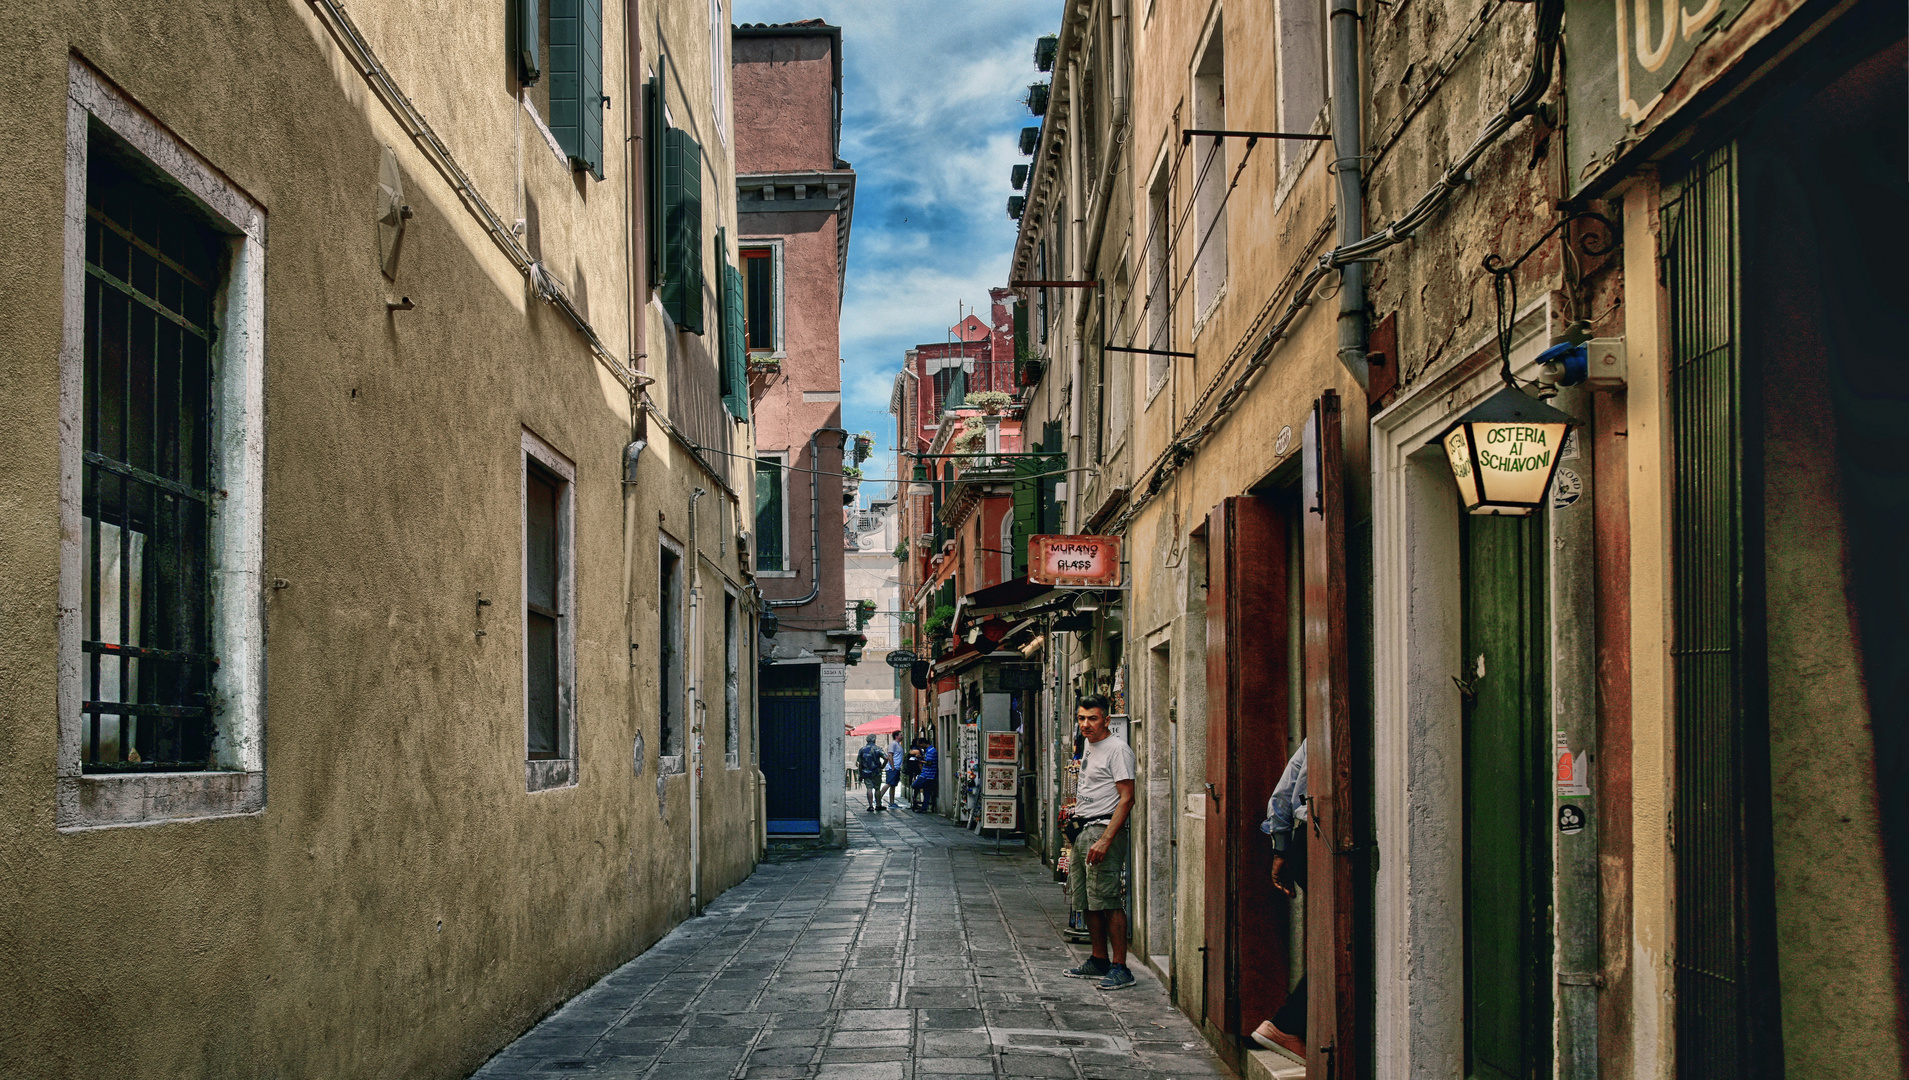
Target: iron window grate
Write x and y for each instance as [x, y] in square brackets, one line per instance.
[146, 477]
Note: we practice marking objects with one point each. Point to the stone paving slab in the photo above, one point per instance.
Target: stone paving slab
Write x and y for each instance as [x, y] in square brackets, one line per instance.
[913, 954]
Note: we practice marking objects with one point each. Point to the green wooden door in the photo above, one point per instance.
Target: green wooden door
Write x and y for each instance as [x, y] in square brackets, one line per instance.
[1507, 850]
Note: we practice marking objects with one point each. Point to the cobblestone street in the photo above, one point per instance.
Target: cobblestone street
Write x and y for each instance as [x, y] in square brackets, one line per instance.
[914, 953]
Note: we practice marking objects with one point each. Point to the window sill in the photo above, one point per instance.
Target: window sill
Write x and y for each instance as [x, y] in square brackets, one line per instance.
[101, 801]
[776, 573]
[671, 765]
[546, 774]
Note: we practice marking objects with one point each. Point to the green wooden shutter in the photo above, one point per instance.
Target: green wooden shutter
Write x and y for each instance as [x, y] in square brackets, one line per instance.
[529, 42]
[683, 230]
[734, 374]
[576, 81]
[654, 124]
[1027, 507]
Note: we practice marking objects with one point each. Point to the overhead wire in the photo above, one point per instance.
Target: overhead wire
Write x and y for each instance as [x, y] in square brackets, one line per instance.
[1522, 103]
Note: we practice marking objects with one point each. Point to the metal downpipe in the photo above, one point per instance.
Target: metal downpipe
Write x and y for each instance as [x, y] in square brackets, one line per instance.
[815, 521]
[1347, 165]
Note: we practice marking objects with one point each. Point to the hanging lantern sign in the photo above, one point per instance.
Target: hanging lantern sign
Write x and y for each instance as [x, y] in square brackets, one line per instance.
[1504, 453]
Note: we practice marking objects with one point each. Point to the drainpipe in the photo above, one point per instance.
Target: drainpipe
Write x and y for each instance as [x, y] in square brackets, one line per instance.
[815, 520]
[1347, 163]
[691, 690]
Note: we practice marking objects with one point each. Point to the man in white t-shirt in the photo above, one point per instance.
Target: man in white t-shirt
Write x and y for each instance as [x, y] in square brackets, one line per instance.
[1097, 874]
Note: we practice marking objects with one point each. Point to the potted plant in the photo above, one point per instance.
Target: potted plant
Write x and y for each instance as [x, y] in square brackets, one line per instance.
[864, 446]
[990, 401]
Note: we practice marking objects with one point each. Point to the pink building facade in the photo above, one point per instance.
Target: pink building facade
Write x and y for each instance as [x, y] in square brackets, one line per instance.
[795, 199]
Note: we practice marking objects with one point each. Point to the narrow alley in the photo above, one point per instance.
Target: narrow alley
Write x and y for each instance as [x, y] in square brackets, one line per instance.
[917, 951]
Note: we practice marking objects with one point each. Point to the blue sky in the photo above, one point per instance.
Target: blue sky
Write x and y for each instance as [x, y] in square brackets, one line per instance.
[932, 115]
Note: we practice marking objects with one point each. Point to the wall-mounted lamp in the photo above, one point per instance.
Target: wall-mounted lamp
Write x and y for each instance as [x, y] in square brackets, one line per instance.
[1504, 453]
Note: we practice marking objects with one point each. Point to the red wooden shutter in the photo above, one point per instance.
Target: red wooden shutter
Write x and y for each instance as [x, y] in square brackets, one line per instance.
[1330, 1032]
[1248, 691]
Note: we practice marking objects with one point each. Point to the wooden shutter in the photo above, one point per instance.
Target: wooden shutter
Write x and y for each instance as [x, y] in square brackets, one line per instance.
[1331, 1039]
[735, 349]
[529, 35]
[1027, 507]
[654, 124]
[1247, 720]
[576, 81]
[683, 230]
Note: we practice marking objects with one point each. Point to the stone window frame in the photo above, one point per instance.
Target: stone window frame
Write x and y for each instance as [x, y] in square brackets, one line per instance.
[784, 459]
[546, 774]
[775, 246]
[236, 787]
[673, 624]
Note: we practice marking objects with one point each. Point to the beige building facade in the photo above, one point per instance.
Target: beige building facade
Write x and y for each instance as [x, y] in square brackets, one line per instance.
[384, 659]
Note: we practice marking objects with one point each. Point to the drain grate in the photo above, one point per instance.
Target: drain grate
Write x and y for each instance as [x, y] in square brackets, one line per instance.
[1039, 1039]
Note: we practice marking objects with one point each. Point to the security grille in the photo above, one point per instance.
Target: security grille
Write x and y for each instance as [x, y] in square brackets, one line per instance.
[146, 477]
[1722, 1004]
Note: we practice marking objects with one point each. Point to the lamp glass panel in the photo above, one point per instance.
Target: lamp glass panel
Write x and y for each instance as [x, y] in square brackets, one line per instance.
[1459, 450]
[1516, 460]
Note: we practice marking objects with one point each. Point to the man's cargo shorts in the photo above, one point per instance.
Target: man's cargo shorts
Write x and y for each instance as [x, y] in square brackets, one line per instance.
[1098, 886]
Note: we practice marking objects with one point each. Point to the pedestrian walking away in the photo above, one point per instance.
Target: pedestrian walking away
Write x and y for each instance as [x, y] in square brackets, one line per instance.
[869, 763]
[1097, 875]
[1285, 811]
[895, 754]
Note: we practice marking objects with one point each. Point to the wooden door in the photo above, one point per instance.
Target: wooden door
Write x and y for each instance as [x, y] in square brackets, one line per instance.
[1331, 1032]
[791, 712]
[1507, 835]
[1247, 710]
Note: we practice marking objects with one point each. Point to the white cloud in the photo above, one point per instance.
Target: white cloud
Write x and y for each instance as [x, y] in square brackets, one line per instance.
[932, 115]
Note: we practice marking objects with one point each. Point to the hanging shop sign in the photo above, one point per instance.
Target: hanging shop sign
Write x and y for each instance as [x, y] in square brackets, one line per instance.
[1620, 58]
[900, 658]
[1504, 453]
[1079, 561]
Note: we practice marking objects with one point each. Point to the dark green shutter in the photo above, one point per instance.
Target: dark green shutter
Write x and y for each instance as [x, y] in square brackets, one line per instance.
[683, 230]
[576, 81]
[1027, 507]
[654, 124]
[734, 374]
[529, 42]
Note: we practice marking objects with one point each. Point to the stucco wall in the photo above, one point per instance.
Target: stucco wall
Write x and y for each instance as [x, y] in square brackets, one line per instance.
[787, 85]
[402, 906]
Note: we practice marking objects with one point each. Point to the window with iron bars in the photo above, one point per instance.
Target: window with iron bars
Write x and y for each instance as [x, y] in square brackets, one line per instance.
[152, 272]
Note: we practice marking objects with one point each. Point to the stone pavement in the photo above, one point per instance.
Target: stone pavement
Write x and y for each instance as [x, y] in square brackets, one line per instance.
[913, 954]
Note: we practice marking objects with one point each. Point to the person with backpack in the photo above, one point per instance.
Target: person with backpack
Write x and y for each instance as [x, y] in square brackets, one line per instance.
[869, 763]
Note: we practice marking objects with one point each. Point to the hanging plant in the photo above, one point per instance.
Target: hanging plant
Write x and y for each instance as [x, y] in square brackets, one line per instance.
[990, 401]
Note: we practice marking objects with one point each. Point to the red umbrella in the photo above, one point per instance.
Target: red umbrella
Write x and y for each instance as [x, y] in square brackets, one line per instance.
[887, 725]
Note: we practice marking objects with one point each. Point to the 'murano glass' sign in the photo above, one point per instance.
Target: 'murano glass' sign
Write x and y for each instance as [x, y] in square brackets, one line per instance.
[1505, 452]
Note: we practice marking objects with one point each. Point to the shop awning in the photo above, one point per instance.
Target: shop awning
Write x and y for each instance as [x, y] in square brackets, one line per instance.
[1013, 597]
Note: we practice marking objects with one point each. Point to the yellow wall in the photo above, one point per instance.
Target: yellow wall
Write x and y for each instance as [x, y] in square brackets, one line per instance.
[402, 905]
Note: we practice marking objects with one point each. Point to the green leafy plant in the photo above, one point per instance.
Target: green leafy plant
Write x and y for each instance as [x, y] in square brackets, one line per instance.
[901, 550]
[864, 446]
[990, 401]
[941, 622]
[851, 472]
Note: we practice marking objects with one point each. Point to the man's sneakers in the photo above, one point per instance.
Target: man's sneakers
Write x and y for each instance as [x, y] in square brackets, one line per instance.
[1091, 968]
[1110, 976]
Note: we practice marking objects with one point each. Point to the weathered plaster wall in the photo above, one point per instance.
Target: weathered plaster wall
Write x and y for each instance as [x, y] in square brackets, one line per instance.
[402, 906]
[785, 88]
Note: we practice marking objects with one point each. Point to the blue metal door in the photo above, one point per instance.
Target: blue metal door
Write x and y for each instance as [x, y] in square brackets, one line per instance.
[792, 760]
